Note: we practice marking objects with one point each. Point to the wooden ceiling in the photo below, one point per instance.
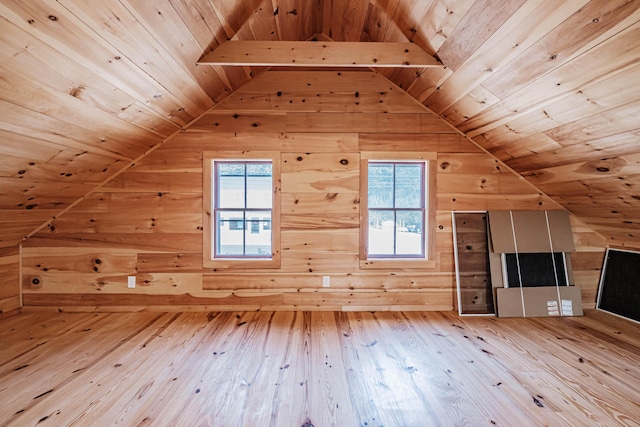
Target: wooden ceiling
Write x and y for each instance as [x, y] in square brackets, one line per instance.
[551, 88]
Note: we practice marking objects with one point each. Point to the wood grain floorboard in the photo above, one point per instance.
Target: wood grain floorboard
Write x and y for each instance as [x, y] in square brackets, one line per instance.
[316, 369]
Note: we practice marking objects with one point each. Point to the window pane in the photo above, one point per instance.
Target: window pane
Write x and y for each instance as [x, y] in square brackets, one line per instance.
[381, 232]
[229, 233]
[409, 186]
[231, 183]
[409, 233]
[259, 185]
[380, 194]
[258, 234]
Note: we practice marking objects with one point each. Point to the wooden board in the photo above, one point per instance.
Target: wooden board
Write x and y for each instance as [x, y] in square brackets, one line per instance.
[319, 54]
[10, 275]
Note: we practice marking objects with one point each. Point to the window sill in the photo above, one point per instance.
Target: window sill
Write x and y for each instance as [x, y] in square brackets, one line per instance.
[397, 264]
[241, 263]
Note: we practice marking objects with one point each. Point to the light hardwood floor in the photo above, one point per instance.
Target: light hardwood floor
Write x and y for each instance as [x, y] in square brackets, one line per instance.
[317, 369]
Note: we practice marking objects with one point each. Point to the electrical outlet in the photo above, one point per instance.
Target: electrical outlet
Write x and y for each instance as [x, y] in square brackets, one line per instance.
[326, 281]
[131, 283]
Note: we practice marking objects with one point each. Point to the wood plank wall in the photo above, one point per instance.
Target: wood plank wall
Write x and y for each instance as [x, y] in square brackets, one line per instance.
[147, 222]
[9, 280]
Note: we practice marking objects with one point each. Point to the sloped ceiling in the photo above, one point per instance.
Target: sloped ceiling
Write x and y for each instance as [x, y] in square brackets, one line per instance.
[551, 88]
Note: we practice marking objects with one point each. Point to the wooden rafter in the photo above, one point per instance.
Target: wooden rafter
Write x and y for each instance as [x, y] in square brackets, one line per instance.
[320, 54]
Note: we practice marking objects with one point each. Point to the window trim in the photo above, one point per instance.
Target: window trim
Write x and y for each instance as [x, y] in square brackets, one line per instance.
[208, 225]
[377, 262]
[249, 221]
[396, 210]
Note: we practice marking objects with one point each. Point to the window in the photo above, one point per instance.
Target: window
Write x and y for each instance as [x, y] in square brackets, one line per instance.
[396, 214]
[242, 199]
[241, 210]
[396, 205]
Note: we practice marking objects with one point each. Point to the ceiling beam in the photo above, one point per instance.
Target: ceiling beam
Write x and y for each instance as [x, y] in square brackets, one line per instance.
[319, 54]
